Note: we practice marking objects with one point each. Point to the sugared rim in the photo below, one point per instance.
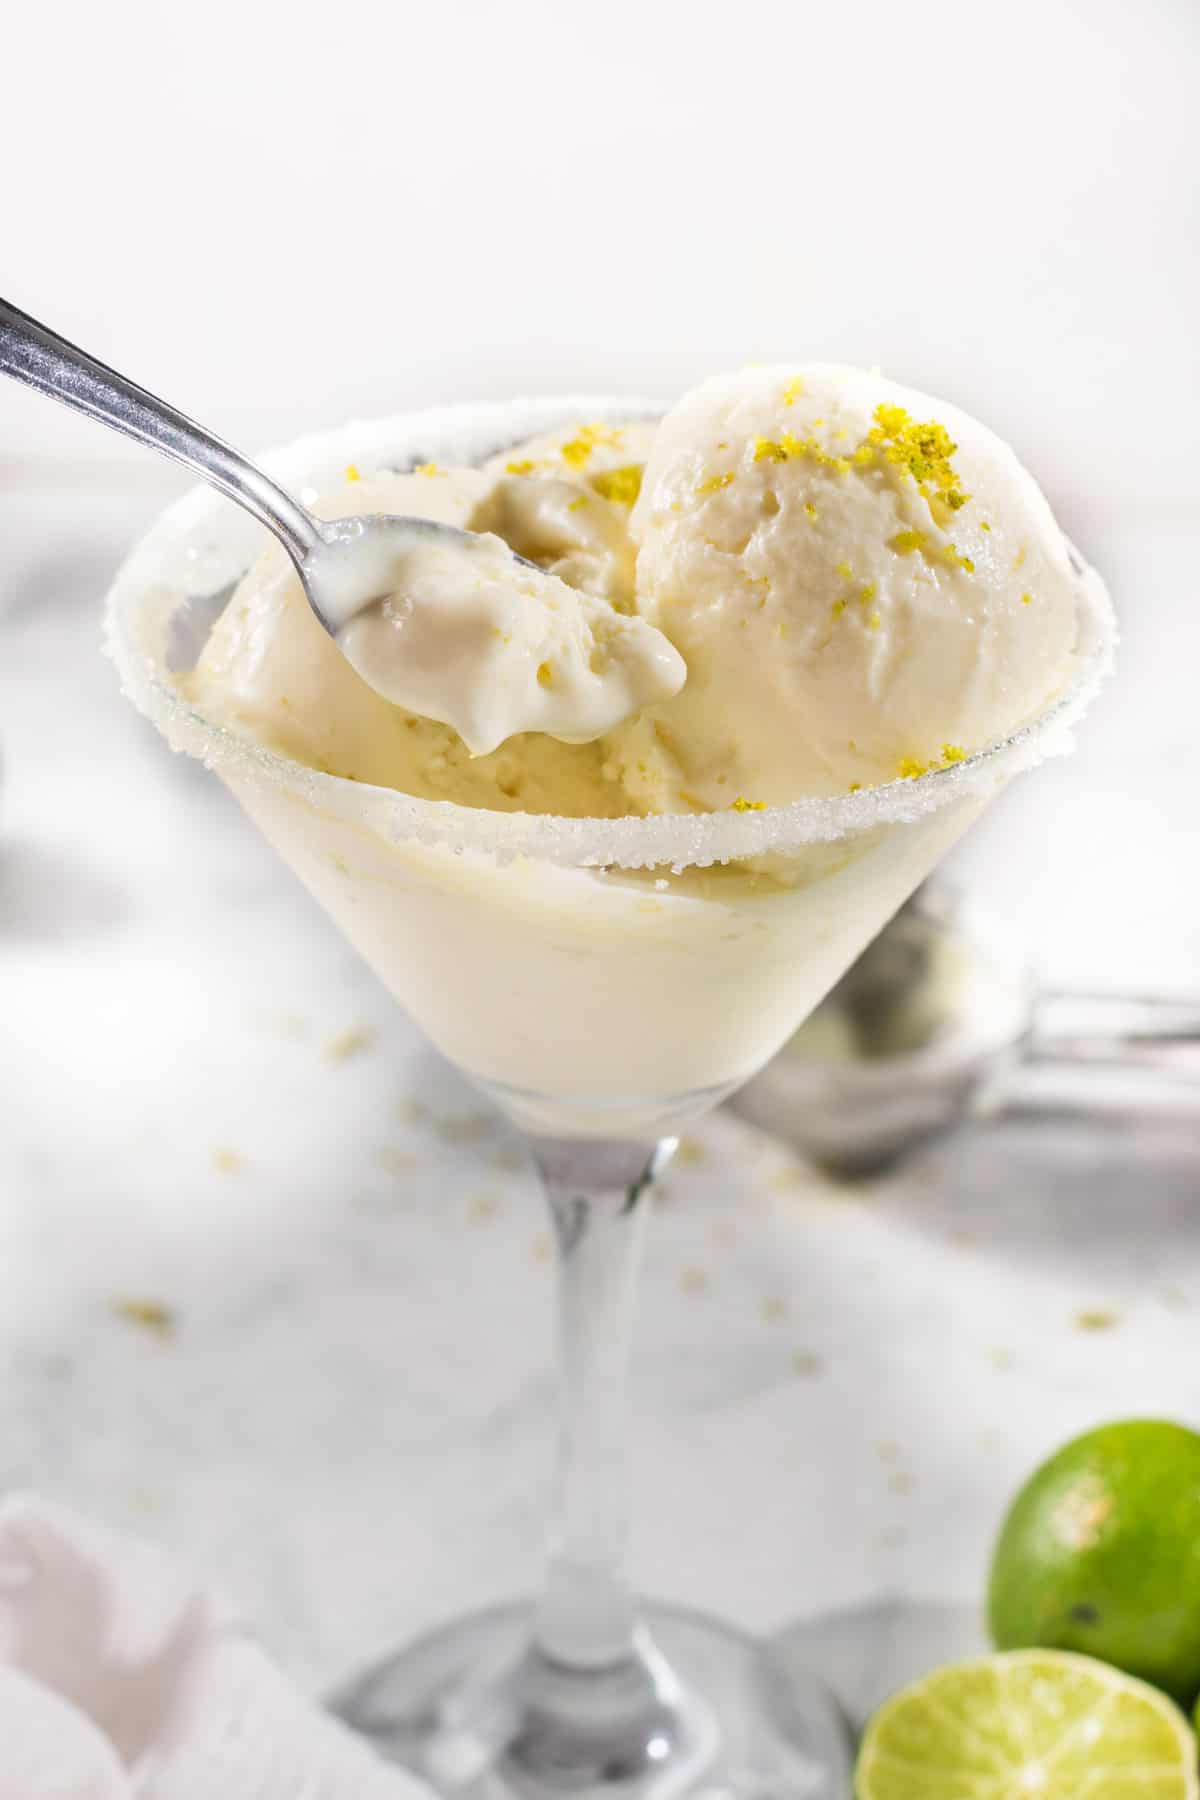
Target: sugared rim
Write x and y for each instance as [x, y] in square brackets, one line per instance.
[203, 542]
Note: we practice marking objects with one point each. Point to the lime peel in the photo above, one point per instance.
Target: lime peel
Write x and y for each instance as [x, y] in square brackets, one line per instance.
[1100, 1554]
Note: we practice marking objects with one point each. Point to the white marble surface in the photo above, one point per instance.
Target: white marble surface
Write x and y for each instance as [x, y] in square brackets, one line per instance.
[348, 1421]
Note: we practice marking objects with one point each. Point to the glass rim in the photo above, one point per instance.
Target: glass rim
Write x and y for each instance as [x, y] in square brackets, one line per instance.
[467, 433]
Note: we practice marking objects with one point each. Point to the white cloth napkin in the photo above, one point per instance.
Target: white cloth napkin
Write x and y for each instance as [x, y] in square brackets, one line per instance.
[123, 1678]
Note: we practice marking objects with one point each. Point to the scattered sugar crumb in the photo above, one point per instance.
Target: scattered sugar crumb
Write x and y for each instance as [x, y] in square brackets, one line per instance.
[412, 1112]
[693, 1280]
[806, 1362]
[507, 1159]
[540, 1247]
[345, 1044]
[888, 1450]
[146, 1499]
[792, 1175]
[690, 1151]
[462, 1128]
[151, 1315]
[229, 1162]
[773, 1308]
[482, 1206]
[395, 1162]
[1002, 1358]
[1096, 1318]
[901, 1482]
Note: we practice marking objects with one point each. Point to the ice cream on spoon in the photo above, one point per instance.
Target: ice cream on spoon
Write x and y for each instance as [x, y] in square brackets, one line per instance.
[448, 623]
[459, 629]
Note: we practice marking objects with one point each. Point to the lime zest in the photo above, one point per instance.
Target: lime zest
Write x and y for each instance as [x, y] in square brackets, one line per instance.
[622, 486]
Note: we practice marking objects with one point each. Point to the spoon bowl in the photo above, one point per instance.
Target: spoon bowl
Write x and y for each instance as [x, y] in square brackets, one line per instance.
[350, 565]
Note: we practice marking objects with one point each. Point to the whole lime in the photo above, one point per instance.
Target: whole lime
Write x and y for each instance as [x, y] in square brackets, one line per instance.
[1100, 1553]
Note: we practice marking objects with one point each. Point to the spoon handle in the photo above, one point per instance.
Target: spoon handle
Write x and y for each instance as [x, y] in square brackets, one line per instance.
[38, 358]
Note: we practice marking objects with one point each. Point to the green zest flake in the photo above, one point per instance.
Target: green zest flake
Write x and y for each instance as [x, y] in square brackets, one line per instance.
[905, 542]
[578, 449]
[151, 1315]
[922, 450]
[620, 485]
[715, 483]
[789, 448]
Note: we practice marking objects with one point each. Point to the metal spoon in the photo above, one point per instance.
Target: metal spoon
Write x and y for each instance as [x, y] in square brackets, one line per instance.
[342, 565]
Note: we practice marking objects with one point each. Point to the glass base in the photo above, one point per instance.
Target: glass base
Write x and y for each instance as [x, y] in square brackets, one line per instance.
[699, 1711]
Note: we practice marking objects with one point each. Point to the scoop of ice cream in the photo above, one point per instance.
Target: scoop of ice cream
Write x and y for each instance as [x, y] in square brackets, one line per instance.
[864, 583]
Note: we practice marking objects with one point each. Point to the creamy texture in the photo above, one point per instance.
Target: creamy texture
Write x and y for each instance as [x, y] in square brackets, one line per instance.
[590, 1002]
[564, 500]
[862, 583]
[467, 635]
[271, 671]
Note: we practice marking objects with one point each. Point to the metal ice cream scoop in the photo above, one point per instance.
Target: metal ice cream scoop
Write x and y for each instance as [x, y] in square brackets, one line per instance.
[939, 1021]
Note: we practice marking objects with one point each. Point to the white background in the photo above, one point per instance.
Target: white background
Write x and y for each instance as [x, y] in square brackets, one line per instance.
[284, 215]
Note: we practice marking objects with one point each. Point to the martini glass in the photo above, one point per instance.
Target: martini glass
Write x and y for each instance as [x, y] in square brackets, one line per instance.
[602, 982]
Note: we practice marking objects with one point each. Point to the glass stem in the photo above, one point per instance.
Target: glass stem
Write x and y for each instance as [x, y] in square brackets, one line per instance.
[598, 1199]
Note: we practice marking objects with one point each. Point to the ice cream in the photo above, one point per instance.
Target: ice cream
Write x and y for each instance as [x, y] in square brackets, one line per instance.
[861, 584]
[271, 671]
[864, 583]
[596, 966]
[460, 630]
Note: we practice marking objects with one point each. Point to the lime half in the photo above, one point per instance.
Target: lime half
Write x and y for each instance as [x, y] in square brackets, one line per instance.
[1028, 1725]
